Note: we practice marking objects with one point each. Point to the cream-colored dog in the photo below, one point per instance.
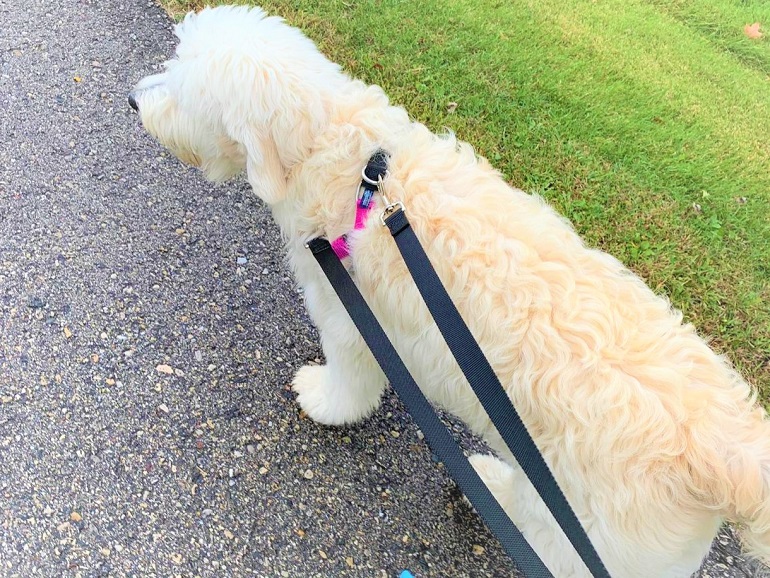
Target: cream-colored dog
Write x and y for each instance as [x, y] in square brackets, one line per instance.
[655, 439]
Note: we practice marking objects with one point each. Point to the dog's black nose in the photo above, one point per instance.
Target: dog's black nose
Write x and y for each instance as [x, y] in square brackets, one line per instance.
[132, 102]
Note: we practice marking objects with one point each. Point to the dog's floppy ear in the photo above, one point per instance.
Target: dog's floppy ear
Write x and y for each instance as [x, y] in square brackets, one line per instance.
[264, 169]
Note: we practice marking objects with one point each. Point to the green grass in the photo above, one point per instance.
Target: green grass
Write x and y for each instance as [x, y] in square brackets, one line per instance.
[647, 123]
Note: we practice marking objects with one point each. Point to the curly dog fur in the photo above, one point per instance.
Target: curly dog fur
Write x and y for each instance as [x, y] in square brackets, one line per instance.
[655, 439]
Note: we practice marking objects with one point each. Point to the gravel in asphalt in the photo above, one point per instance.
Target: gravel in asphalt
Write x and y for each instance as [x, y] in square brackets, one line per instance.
[148, 333]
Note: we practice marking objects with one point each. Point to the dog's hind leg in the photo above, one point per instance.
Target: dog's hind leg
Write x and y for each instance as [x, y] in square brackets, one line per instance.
[511, 488]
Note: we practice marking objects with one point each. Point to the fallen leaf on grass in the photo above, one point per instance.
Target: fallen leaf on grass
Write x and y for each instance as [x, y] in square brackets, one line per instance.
[752, 31]
[451, 107]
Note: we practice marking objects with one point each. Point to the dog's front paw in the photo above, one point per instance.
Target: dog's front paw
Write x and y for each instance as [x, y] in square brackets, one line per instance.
[315, 395]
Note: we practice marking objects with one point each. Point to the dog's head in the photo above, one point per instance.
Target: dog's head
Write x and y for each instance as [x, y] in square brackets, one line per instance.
[244, 91]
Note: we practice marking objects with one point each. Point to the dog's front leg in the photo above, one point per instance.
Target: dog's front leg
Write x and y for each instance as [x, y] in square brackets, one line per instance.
[348, 388]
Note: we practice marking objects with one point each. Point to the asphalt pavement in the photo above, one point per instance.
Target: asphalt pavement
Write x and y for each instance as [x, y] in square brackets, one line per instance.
[148, 333]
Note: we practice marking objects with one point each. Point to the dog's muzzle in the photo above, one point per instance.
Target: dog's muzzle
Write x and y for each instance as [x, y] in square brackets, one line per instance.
[147, 83]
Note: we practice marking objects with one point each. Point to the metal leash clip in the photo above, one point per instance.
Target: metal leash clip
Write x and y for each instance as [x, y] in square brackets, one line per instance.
[363, 193]
[390, 208]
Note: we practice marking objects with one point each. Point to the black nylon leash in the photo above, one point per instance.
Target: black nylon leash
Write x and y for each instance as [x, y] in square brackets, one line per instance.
[488, 389]
[437, 436]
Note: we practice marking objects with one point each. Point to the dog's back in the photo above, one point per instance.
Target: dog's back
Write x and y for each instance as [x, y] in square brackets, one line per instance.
[654, 437]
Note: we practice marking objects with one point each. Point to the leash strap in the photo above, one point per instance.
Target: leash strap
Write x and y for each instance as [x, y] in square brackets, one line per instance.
[437, 436]
[488, 389]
